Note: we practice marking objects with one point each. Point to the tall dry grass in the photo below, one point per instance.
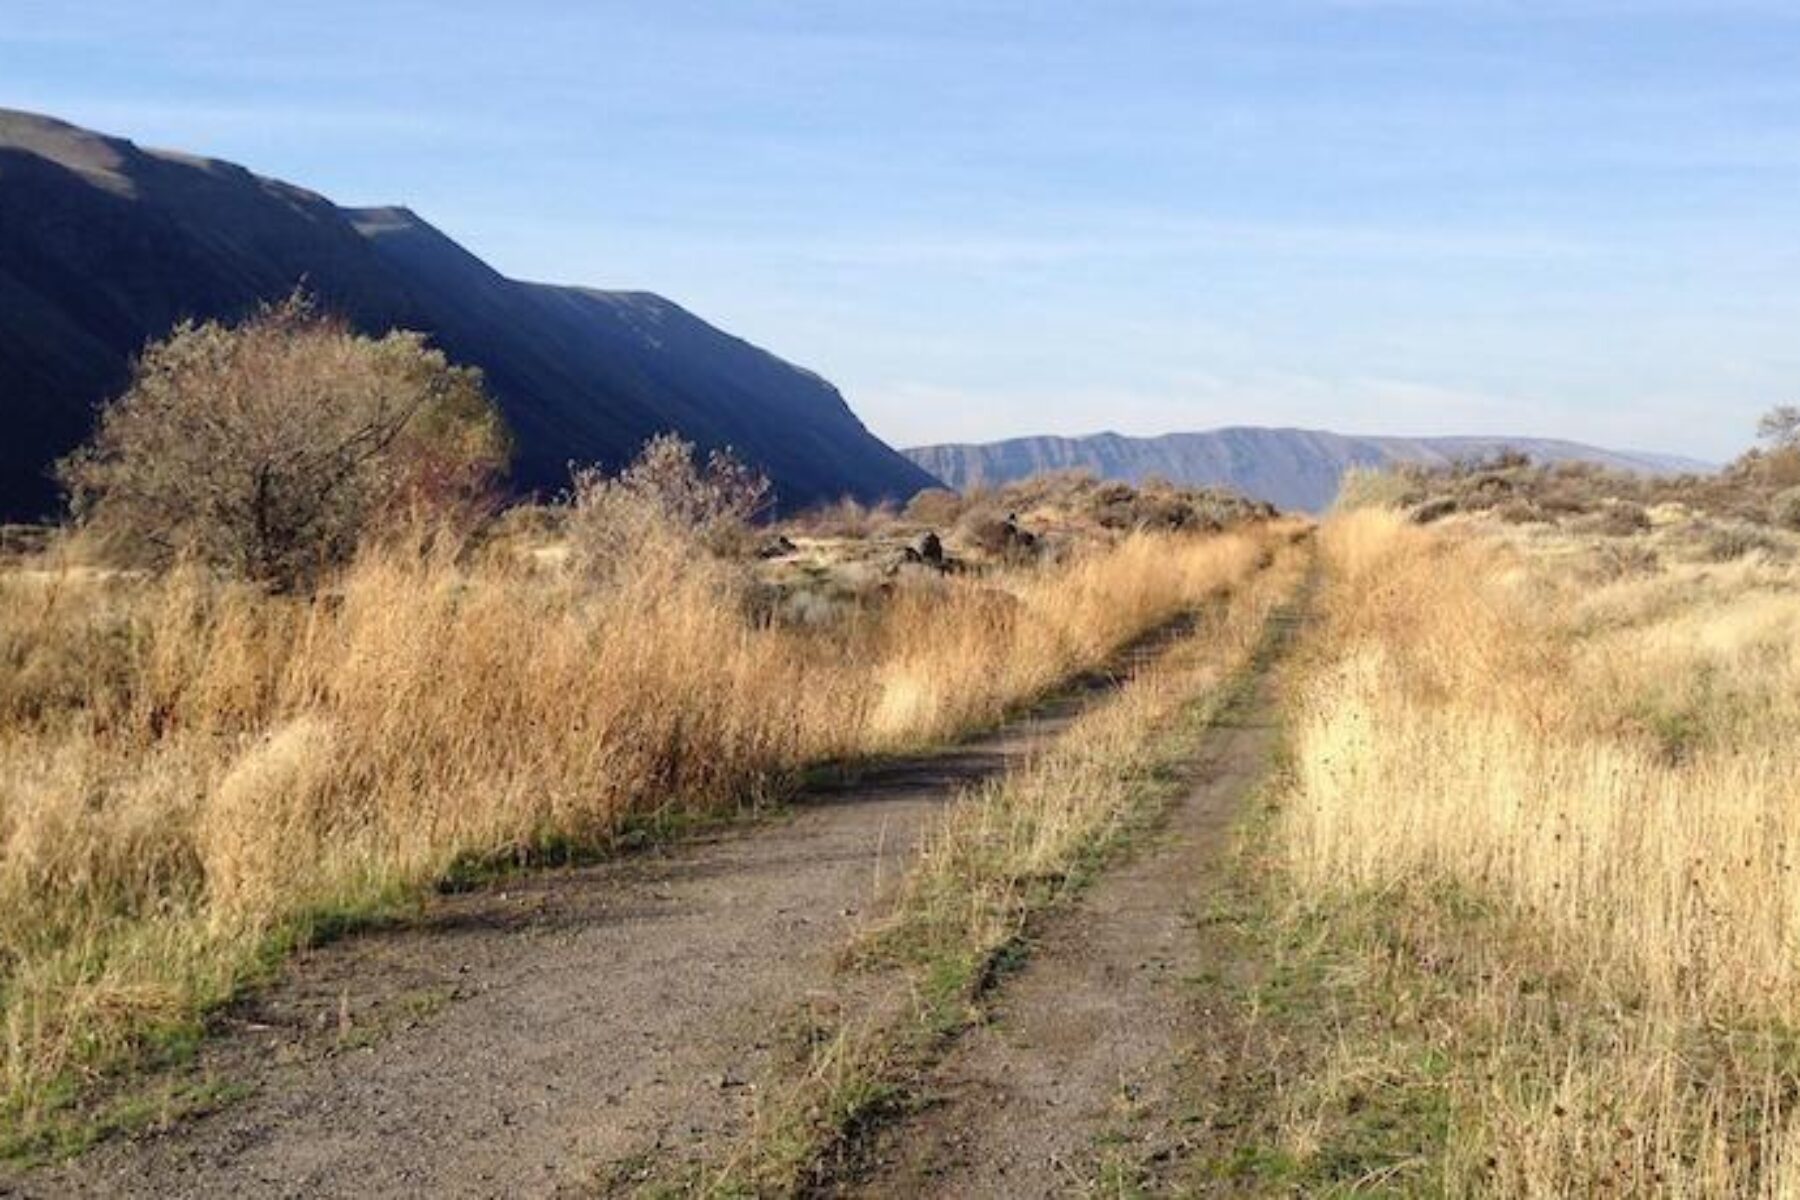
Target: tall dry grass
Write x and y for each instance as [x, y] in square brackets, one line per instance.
[188, 767]
[1608, 763]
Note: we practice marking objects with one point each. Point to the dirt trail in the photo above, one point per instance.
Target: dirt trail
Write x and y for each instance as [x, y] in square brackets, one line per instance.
[516, 1041]
[1085, 1042]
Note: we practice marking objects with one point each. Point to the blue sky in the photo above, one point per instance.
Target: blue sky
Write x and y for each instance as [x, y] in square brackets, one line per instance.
[983, 219]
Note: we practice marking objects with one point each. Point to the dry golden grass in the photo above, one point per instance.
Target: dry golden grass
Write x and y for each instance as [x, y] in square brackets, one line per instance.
[190, 767]
[1606, 762]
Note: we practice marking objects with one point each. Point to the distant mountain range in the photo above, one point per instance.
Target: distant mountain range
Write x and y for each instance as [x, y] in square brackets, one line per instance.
[1296, 469]
[104, 245]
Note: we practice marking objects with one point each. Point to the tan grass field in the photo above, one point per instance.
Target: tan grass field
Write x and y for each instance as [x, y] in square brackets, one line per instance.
[192, 770]
[1568, 777]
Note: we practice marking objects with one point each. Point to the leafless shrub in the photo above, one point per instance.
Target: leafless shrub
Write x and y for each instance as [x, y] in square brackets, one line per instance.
[726, 495]
[664, 504]
[271, 448]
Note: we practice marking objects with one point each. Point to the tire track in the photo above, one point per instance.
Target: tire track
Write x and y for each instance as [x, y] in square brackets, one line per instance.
[1087, 1039]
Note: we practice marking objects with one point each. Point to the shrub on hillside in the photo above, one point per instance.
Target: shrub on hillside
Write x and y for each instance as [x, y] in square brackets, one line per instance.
[1758, 489]
[1488, 489]
[1727, 543]
[1622, 518]
[1784, 510]
[271, 448]
[1159, 505]
[1065, 487]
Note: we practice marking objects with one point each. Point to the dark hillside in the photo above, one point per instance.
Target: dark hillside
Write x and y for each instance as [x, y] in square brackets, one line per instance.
[105, 245]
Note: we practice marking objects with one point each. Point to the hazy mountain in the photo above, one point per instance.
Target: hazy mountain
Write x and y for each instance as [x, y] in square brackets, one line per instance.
[1293, 468]
[105, 245]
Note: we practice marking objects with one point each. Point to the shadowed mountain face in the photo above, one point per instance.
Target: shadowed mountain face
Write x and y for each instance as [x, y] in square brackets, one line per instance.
[104, 246]
[1296, 469]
